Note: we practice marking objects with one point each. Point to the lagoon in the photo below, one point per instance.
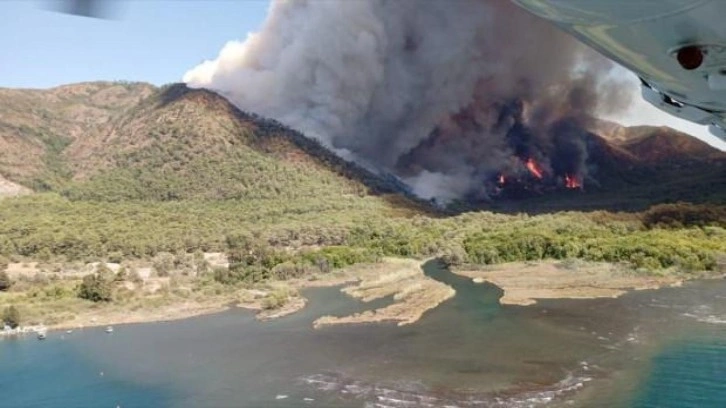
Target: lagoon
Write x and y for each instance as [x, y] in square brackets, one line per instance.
[648, 348]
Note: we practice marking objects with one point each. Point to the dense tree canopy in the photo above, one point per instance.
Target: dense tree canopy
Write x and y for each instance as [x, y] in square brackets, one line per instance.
[96, 287]
[11, 317]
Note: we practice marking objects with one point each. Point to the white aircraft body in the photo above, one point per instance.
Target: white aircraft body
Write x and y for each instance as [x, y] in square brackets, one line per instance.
[676, 47]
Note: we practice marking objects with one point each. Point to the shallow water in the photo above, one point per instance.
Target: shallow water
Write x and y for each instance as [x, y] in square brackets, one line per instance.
[469, 351]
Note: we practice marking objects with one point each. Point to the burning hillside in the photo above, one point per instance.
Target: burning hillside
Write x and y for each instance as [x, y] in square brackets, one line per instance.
[447, 96]
[539, 150]
[534, 180]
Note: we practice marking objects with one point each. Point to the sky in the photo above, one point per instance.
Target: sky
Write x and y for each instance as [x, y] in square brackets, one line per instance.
[643, 113]
[157, 41]
[147, 40]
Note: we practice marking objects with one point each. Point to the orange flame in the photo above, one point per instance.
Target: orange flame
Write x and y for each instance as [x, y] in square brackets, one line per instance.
[572, 182]
[534, 168]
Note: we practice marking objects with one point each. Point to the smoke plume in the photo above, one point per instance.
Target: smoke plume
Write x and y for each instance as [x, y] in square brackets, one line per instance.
[446, 94]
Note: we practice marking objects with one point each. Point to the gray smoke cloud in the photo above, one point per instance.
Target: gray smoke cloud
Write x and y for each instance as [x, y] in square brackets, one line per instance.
[442, 93]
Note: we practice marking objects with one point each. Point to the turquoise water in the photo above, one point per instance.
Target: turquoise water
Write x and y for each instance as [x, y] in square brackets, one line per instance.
[664, 348]
[690, 375]
[54, 374]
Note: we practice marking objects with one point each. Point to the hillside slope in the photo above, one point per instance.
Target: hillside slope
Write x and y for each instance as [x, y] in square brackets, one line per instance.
[657, 144]
[109, 141]
[119, 141]
[181, 171]
[37, 125]
[193, 144]
[652, 144]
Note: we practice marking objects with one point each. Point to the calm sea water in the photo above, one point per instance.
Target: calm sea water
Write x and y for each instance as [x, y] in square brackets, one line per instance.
[664, 348]
[688, 375]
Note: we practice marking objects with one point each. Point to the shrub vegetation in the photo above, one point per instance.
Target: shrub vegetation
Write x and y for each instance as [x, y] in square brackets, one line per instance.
[96, 287]
[5, 281]
[11, 317]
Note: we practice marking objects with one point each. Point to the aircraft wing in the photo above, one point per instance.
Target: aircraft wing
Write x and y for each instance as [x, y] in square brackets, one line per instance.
[676, 47]
[84, 8]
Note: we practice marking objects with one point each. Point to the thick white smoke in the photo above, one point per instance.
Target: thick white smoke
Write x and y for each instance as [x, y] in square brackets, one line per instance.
[374, 79]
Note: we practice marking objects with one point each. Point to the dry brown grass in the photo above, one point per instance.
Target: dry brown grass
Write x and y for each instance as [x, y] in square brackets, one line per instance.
[413, 293]
[29, 118]
[524, 283]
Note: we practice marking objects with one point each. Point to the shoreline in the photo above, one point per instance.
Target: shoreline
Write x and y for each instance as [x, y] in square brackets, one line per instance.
[120, 318]
[162, 315]
[247, 299]
[403, 280]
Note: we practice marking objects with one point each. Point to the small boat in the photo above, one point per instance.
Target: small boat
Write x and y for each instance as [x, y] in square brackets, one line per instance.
[69, 331]
[42, 335]
[109, 329]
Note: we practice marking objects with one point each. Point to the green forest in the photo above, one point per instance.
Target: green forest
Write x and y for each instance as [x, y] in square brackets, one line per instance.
[287, 235]
[170, 176]
[183, 172]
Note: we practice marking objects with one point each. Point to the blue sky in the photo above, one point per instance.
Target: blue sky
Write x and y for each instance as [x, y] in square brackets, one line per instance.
[157, 41]
[148, 40]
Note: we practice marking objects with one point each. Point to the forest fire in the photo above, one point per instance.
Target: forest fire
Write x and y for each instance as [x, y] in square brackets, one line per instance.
[535, 180]
[534, 168]
[537, 158]
[572, 182]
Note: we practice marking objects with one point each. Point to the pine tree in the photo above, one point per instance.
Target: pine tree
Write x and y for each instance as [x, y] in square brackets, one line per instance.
[11, 317]
[96, 288]
[5, 281]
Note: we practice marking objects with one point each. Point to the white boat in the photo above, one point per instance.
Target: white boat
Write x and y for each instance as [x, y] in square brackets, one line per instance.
[109, 329]
[41, 335]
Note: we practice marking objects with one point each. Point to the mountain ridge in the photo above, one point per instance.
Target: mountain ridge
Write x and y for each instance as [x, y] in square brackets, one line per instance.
[656, 143]
[136, 141]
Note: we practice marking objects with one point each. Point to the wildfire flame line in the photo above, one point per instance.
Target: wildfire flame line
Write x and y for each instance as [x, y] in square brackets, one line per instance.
[572, 182]
[534, 168]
